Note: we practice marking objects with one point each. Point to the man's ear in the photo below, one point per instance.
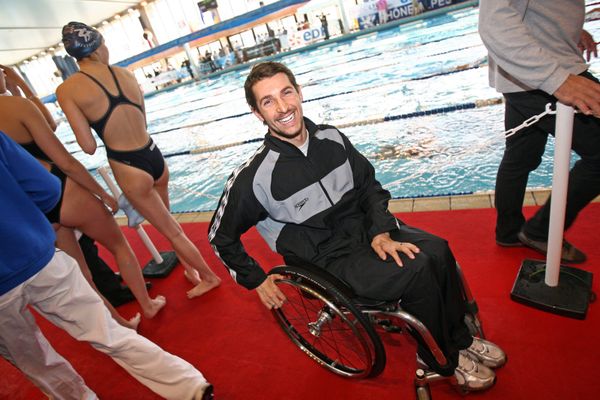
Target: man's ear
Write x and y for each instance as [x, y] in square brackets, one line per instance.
[258, 115]
[300, 93]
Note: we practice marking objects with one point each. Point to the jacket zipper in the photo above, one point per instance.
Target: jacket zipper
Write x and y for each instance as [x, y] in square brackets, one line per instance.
[320, 184]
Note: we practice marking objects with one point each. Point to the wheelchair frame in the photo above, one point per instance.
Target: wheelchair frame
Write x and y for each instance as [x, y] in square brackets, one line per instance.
[335, 328]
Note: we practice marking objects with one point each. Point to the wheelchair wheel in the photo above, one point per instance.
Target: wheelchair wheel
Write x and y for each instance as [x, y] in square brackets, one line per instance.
[325, 324]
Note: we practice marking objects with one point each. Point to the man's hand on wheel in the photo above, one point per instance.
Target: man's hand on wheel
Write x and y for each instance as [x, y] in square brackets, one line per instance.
[269, 293]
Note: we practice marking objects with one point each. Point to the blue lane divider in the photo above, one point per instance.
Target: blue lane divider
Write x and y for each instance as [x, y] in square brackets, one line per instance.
[420, 196]
[465, 106]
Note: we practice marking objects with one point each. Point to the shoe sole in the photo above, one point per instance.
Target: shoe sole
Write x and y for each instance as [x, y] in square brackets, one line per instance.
[514, 244]
[478, 389]
[531, 244]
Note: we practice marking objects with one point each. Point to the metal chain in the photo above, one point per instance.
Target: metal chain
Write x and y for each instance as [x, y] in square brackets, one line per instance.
[530, 121]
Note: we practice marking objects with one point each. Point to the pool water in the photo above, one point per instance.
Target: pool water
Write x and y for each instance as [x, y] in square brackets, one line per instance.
[429, 64]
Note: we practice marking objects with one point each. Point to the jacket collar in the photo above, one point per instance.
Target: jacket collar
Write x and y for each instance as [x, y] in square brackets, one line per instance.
[281, 146]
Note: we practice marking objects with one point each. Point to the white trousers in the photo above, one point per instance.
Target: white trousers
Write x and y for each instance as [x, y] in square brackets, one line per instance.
[60, 293]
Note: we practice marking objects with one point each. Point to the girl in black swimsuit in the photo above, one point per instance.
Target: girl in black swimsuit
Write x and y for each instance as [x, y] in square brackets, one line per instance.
[108, 100]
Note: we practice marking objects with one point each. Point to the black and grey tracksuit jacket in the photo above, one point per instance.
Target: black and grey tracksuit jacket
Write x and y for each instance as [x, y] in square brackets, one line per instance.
[313, 207]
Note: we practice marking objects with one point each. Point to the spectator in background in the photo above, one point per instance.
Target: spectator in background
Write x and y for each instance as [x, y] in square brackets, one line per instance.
[186, 64]
[146, 37]
[208, 59]
[324, 26]
[382, 11]
[283, 39]
[417, 7]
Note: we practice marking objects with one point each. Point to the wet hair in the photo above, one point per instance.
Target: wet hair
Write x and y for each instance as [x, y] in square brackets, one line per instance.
[80, 40]
[262, 71]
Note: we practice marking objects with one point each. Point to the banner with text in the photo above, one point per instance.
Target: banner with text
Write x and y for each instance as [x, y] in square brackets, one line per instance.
[368, 15]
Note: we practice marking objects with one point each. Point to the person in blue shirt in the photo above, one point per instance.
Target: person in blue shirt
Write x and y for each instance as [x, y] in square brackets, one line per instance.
[33, 273]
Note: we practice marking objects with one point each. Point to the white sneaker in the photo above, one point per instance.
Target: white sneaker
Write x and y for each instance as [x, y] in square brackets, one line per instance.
[471, 375]
[487, 353]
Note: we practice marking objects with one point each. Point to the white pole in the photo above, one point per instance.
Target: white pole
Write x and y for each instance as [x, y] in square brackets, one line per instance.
[342, 8]
[140, 230]
[560, 181]
[149, 245]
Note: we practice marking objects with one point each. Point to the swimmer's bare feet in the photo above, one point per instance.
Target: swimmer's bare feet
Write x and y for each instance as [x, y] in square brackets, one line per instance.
[204, 286]
[134, 322]
[192, 275]
[155, 305]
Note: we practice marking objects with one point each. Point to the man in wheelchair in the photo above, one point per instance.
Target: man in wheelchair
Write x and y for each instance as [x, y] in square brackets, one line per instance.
[314, 197]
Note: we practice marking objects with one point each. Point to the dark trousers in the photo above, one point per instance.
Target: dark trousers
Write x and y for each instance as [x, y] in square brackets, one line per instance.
[428, 287]
[523, 154]
[105, 279]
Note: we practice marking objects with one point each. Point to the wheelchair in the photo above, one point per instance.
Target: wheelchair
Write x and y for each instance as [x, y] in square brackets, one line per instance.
[335, 328]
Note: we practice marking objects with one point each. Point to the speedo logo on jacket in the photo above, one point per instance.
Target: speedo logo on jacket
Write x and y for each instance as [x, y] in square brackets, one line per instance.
[295, 198]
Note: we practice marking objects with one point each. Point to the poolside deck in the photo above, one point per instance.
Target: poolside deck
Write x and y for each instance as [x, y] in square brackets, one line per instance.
[533, 197]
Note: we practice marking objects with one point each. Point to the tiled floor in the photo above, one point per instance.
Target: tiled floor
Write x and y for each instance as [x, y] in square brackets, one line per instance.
[462, 202]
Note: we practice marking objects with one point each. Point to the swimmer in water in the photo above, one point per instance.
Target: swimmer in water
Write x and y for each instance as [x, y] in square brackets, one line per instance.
[421, 149]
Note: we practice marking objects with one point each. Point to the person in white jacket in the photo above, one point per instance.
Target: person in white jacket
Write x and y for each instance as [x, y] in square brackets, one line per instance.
[536, 56]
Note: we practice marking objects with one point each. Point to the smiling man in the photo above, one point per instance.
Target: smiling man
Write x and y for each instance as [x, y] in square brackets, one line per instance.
[315, 200]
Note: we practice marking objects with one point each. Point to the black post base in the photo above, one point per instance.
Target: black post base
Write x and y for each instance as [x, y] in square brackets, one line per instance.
[570, 298]
[162, 270]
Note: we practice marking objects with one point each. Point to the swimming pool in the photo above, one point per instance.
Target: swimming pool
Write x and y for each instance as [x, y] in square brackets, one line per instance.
[402, 71]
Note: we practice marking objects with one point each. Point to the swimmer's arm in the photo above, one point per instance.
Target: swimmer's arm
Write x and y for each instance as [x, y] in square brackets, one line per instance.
[47, 115]
[45, 138]
[78, 121]
[21, 85]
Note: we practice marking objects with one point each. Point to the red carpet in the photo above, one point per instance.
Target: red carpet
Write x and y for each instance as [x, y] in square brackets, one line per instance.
[235, 342]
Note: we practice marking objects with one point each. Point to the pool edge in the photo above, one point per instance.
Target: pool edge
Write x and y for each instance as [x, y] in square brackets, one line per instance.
[533, 197]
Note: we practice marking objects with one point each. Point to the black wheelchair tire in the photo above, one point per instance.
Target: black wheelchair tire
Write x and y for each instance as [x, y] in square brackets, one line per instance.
[313, 286]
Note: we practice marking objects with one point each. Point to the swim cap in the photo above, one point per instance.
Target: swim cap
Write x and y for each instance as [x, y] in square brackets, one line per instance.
[80, 40]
